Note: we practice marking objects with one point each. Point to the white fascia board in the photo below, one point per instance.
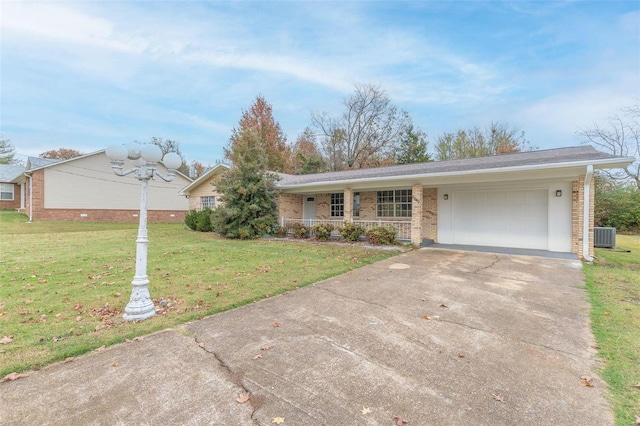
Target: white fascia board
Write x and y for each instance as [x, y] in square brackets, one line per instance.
[187, 189]
[406, 179]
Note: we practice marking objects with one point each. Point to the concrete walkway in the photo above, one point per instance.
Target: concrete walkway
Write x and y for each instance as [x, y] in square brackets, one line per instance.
[433, 337]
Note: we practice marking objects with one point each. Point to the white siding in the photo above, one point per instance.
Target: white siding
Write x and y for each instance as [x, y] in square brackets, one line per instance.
[89, 183]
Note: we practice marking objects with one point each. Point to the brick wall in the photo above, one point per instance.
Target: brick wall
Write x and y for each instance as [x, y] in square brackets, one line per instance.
[12, 204]
[290, 206]
[430, 213]
[577, 216]
[323, 202]
[368, 202]
[88, 215]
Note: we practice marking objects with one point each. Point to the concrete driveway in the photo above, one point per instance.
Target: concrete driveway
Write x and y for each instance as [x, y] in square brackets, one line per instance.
[431, 337]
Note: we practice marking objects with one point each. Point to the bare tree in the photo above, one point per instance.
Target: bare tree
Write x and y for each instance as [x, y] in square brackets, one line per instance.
[620, 135]
[368, 129]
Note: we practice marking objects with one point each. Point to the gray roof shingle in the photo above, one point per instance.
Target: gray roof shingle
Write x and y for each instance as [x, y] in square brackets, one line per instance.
[37, 162]
[8, 172]
[531, 158]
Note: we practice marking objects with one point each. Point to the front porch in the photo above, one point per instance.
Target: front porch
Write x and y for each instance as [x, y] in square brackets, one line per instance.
[412, 211]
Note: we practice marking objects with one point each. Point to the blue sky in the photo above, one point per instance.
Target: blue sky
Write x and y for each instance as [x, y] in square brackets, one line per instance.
[85, 75]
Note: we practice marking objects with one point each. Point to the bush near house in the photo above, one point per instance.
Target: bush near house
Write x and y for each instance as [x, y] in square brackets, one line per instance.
[299, 230]
[351, 231]
[381, 235]
[199, 220]
[322, 231]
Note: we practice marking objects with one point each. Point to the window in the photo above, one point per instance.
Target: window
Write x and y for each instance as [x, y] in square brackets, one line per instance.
[394, 203]
[356, 204]
[6, 191]
[207, 202]
[337, 205]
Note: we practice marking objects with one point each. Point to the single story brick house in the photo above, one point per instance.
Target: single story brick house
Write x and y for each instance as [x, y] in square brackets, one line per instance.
[528, 200]
[531, 200]
[85, 188]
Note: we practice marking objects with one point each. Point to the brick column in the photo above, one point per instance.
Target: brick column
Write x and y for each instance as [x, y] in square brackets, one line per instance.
[416, 215]
[348, 205]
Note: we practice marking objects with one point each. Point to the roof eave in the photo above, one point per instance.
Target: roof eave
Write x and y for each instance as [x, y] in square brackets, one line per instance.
[612, 163]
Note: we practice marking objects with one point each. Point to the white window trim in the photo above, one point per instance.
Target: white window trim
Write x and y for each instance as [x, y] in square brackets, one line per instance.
[3, 190]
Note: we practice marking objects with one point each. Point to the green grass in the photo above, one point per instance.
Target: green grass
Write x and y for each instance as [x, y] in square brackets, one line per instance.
[613, 282]
[64, 286]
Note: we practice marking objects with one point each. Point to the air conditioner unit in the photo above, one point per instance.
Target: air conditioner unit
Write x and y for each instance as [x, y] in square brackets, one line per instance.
[604, 237]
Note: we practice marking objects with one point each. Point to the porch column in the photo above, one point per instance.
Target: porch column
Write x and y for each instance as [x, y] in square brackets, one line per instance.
[348, 205]
[416, 215]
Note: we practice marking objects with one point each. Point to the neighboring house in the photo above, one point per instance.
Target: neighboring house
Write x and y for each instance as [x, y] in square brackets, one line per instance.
[11, 193]
[202, 192]
[531, 200]
[86, 189]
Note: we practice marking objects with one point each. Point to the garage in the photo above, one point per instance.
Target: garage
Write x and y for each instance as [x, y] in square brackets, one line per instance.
[501, 218]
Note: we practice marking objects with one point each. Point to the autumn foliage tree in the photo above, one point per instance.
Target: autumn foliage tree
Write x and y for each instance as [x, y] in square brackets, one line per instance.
[61, 154]
[259, 120]
[306, 157]
[248, 190]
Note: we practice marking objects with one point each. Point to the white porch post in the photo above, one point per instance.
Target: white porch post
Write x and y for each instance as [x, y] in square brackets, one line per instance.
[416, 215]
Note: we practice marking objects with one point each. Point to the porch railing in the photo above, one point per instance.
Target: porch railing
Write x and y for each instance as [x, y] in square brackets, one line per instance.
[403, 228]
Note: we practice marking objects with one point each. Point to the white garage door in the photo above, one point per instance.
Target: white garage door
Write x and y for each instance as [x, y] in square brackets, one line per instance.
[501, 218]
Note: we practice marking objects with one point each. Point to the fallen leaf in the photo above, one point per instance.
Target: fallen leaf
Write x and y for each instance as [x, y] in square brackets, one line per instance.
[607, 313]
[426, 317]
[6, 339]
[596, 346]
[201, 345]
[79, 318]
[498, 397]
[365, 410]
[66, 360]
[257, 356]
[243, 398]
[460, 355]
[101, 348]
[400, 421]
[115, 364]
[42, 281]
[442, 305]
[586, 381]
[276, 324]
[78, 306]
[278, 420]
[13, 376]
[138, 339]
[265, 348]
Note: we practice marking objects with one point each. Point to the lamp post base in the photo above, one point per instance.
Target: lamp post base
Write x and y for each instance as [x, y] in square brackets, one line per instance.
[140, 306]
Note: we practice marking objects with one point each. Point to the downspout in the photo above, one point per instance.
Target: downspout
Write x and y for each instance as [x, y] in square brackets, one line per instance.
[585, 215]
[30, 197]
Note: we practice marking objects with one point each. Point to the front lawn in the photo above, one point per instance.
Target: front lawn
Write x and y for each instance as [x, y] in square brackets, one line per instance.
[613, 282]
[64, 286]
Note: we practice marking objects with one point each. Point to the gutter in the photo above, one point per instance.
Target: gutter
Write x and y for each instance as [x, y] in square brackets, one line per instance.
[585, 215]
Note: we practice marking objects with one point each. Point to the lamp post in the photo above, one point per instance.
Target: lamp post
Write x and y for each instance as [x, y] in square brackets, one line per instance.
[145, 160]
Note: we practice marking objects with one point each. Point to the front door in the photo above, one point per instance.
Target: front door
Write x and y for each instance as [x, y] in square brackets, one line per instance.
[309, 207]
